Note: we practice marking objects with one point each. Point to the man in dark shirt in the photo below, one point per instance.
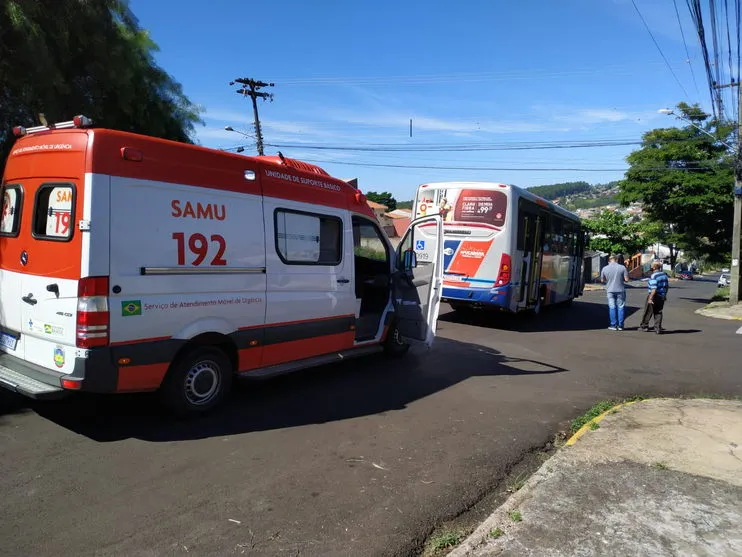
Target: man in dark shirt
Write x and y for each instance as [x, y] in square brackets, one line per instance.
[658, 285]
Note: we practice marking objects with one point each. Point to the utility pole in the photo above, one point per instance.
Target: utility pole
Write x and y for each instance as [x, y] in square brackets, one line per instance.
[251, 88]
[735, 284]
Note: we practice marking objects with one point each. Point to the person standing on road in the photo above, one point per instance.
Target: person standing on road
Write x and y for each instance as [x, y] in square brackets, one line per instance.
[658, 285]
[614, 276]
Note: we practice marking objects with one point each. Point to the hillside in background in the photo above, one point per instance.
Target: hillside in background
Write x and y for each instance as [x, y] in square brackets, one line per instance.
[580, 197]
[575, 196]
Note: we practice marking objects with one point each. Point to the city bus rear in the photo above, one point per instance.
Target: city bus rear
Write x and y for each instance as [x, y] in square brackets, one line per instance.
[477, 262]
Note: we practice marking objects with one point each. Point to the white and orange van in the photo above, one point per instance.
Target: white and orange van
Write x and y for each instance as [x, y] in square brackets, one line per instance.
[131, 263]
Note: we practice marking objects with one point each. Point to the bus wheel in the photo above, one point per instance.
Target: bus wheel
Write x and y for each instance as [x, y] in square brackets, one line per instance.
[197, 381]
[394, 345]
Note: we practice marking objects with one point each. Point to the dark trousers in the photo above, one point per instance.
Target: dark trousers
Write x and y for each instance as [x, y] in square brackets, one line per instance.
[653, 310]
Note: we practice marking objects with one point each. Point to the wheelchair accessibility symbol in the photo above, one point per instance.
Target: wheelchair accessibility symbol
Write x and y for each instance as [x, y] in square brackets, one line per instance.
[419, 245]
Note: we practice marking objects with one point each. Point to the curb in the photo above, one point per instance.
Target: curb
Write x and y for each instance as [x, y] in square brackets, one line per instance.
[707, 313]
[580, 432]
[471, 544]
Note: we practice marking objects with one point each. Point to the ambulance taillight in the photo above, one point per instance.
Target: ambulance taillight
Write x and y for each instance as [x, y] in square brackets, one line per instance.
[92, 312]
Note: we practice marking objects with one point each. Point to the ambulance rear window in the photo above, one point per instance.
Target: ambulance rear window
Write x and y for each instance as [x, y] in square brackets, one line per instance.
[54, 212]
[12, 203]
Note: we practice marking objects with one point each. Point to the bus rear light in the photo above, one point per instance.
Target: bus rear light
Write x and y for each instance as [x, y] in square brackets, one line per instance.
[92, 312]
[503, 277]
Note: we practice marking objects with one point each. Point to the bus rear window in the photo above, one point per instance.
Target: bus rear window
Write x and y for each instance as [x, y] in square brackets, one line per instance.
[11, 219]
[54, 212]
[481, 206]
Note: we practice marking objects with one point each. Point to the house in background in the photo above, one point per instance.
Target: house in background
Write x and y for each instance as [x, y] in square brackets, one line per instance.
[394, 223]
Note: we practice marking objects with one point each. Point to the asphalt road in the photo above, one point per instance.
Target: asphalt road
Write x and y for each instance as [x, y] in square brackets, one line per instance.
[362, 458]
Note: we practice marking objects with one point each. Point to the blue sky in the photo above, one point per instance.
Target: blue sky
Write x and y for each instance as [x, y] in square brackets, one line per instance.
[351, 73]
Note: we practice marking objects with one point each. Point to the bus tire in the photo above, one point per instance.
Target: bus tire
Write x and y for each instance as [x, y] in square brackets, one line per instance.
[394, 346]
[197, 381]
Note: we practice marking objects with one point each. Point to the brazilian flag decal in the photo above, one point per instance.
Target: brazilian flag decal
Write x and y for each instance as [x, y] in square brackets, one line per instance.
[131, 307]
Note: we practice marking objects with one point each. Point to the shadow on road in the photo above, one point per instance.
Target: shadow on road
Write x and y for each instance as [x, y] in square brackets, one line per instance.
[696, 300]
[336, 392]
[579, 316]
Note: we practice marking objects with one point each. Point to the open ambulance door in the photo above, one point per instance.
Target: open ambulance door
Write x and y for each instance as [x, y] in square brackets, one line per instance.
[418, 280]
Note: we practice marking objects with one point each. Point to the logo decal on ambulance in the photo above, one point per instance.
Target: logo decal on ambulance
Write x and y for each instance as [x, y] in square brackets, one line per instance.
[59, 356]
[131, 307]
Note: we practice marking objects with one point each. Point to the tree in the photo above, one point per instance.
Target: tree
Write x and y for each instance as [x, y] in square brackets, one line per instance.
[384, 198]
[611, 232]
[67, 57]
[684, 179]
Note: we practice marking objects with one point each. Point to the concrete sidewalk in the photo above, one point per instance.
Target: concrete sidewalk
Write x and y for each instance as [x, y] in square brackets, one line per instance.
[657, 477]
[722, 310]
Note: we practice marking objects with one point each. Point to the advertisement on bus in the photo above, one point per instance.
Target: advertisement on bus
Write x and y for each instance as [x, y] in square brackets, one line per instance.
[464, 205]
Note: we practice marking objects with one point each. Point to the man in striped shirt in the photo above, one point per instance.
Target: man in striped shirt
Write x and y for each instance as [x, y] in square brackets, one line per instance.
[658, 285]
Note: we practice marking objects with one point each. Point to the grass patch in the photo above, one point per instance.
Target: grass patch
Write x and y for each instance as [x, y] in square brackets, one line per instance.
[444, 540]
[515, 516]
[518, 483]
[594, 426]
[721, 294]
[496, 533]
[661, 465]
[597, 410]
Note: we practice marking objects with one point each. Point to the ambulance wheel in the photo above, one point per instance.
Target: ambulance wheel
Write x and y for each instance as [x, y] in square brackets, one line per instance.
[394, 346]
[197, 381]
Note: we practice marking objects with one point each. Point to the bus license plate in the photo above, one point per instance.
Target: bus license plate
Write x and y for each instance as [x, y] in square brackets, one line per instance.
[8, 341]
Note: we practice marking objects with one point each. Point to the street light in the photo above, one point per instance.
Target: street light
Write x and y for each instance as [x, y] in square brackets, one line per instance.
[670, 112]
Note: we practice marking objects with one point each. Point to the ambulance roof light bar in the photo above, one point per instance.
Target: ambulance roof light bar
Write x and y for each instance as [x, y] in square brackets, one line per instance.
[79, 121]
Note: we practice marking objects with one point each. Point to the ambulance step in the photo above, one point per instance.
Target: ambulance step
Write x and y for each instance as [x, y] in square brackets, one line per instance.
[289, 367]
[28, 386]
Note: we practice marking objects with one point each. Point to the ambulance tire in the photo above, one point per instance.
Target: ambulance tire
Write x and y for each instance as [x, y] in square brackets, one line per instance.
[197, 381]
[394, 346]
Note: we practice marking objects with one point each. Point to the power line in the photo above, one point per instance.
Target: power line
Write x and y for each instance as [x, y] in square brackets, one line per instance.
[694, 6]
[454, 77]
[498, 169]
[454, 148]
[669, 67]
[685, 44]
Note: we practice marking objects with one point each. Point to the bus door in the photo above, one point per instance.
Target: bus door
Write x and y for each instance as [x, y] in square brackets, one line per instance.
[531, 269]
[580, 261]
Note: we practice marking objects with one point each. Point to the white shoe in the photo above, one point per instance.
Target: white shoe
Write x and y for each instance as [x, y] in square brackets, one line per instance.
[613, 328]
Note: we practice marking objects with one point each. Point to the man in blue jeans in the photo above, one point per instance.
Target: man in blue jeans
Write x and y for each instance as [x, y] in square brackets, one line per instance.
[614, 276]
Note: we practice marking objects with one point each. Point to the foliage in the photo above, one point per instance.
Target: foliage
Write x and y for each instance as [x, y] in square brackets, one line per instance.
[554, 191]
[684, 179]
[618, 235]
[384, 198]
[721, 294]
[404, 204]
[61, 58]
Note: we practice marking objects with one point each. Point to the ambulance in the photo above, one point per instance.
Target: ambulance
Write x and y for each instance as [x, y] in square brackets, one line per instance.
[130, 263]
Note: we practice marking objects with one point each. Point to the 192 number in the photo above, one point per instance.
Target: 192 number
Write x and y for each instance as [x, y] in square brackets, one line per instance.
[198, 245]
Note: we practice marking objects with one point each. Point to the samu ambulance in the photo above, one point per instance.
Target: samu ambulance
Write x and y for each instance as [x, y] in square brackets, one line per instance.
[130, 263]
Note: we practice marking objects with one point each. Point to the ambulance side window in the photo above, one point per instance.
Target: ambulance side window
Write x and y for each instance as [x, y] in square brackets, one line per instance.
[54, 212]
[308, 238]
[12, 204]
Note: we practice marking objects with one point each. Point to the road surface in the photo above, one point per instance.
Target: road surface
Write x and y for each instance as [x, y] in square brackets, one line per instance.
[362, 458]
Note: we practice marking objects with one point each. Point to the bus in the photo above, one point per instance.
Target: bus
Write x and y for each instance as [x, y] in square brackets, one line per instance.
[504, 248]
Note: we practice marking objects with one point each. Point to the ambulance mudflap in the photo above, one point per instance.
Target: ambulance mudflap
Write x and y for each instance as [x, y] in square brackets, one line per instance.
[418, 285]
